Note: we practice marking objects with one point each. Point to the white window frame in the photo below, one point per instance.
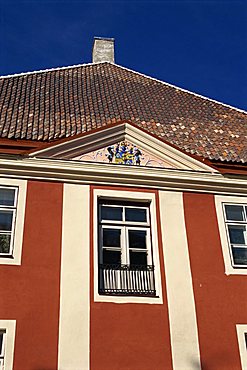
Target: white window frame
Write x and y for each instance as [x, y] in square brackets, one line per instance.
[220, 202]
[241, 331]
[7, 355]
[125, 226]
[14, 257]
[135, 197]
[2, 349]
[13, 210]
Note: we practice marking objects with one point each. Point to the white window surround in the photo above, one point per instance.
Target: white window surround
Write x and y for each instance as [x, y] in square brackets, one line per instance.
[21, 185]
[219, 204]
[131, 196]
[7, 209]
[9, 341]
[241, 331]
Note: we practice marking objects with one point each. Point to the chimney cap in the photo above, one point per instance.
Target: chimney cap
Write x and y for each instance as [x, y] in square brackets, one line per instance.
[104, 38]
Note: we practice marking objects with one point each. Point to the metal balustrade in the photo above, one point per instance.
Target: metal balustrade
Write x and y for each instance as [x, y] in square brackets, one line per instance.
[136, 280]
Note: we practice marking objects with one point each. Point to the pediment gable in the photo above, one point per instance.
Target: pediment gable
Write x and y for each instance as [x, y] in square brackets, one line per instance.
[123, 144]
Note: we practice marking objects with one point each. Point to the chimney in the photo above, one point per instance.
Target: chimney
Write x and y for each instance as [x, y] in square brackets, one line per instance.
[103, 50]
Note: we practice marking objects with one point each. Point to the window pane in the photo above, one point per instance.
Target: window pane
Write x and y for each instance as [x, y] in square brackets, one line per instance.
[236, 234]
[136, 214]
[137, 239]
[240, 256]
[7, 197]
[4, 243]
[6, 220]
[138, 258]
[111, 213]
[111, 238]
[234, 213]
[111, 257]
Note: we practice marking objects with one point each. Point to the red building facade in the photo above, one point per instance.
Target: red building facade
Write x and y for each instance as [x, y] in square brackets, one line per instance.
[107, 263]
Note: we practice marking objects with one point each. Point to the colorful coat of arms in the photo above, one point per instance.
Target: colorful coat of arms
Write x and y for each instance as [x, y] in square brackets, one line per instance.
[124, 153]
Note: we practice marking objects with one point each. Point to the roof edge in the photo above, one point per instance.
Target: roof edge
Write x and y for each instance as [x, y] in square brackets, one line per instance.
[182, 89]
[54, 69]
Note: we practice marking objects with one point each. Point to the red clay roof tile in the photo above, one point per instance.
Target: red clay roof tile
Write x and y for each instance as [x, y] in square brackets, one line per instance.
[52, 104]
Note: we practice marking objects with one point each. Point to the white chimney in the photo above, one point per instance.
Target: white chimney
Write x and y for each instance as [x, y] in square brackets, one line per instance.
[103, 50]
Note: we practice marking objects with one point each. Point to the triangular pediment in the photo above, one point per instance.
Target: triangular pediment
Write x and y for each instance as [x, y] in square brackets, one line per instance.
[123, 144]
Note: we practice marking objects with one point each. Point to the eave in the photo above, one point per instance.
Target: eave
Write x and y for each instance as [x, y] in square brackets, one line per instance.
[18, 146]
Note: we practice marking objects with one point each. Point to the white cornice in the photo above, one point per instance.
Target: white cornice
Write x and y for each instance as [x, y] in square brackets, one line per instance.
[117, 175]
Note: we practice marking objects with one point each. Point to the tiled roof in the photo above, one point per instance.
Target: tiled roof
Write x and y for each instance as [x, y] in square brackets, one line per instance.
[58, 103]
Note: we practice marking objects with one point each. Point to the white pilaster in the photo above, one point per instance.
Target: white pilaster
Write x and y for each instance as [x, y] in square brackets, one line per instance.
[73, 352]
[181, 305]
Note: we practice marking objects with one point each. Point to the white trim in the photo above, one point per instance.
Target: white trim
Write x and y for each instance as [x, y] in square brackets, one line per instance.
[74, 321]
[104, 173]
[9, 326]
[129, 70]
[51, 69]
[124, 131]
[219, 200]
[241, 330]
[9, 209]
[180, 296]
[19, 221]
[132, 196]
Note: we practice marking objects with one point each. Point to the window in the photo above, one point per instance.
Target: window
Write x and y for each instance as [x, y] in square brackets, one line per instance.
[235, 216]
[8, 201]
[242, 342]
[2, 347]
[125, 249]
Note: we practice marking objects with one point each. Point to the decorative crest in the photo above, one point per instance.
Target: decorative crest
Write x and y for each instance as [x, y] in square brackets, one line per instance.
[124, 153]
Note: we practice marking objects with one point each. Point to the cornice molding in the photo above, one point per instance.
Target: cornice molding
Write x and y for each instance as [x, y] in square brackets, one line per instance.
[119, 175]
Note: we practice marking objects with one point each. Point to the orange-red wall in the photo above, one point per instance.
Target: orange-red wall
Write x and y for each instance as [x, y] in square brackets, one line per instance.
[122, 336]
[220, 300]
[129, 336]
[30, 292]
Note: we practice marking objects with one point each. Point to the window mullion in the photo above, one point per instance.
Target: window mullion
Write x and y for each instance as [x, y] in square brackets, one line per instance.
[124, 248]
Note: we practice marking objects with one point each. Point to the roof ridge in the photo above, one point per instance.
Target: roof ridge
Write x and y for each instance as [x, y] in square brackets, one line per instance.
[129, 70]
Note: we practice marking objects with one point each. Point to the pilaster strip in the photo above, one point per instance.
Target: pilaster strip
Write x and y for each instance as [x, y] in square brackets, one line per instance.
[73, 352]
[181, 305]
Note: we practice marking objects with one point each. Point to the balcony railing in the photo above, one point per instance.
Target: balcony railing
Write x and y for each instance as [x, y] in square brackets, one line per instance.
[136, 280]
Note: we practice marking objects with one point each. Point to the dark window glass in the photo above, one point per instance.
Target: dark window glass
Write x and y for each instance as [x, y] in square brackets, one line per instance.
[236, 234]
[111, 213]
[4, 243]
[111, 238]
[138, 258]
[239, 256]
[6, 220]
[137, 239]
[245, 337]
[7, 197]
[111, 257]
[234, 213]
[136, 214]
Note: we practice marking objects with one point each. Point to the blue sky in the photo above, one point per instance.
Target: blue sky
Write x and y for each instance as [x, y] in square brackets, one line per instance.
[198, 45]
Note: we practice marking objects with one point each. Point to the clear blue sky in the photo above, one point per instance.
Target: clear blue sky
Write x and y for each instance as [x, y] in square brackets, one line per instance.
[198, 45]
